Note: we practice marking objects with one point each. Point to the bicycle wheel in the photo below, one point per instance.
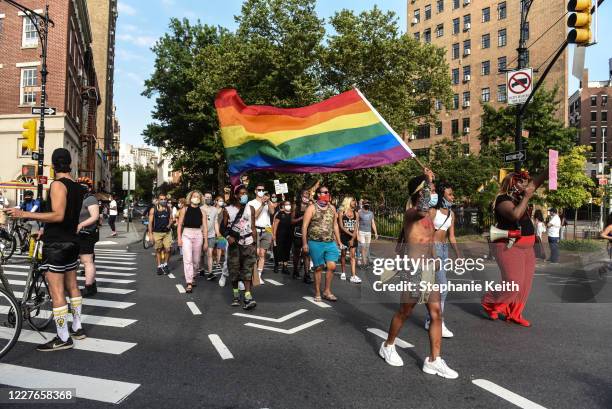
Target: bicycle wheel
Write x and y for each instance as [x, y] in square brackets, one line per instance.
[39, 303]
[24, 240]
[145, 242]
[11, 321]
[7, 246]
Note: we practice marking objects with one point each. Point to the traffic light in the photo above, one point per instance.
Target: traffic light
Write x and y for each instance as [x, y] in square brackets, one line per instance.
[579, 21]
[29, 134]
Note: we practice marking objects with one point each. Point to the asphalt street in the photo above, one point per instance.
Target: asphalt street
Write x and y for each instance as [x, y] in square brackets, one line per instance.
[151, 345]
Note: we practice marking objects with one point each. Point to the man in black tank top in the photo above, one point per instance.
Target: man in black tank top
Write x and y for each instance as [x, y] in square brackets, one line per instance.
[160, 232]
[60, 257]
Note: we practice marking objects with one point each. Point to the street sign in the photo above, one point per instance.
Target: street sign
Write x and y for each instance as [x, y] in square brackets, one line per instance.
[553, 164]
[48, 110]
[131, 183]
[34, 155]
[519, 85]
[42, 180]
[514, 156]
[603, 181]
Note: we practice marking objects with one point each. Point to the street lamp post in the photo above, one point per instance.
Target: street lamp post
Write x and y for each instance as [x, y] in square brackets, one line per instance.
[41, 23]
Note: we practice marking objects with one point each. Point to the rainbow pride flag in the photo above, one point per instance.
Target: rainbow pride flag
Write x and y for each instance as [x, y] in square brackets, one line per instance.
[341, 133]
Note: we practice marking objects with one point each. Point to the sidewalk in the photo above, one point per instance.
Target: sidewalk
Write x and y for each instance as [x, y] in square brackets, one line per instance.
[124, 238]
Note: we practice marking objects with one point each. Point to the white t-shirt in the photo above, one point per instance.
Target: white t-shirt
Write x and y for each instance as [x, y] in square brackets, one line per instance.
[112, 208]
[242, 226]
[211, 217]
[264, 217]
[554, 225]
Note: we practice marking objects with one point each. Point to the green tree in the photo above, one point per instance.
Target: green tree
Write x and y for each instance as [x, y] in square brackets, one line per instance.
[145, 178]
[546, 131]
[573, 185]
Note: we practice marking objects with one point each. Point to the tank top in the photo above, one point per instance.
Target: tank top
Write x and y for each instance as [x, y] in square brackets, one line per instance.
[348, 223]
[65, 231]
[442, 221]
[193, 218]
[524, 223]
[321, 227]
[161, 220]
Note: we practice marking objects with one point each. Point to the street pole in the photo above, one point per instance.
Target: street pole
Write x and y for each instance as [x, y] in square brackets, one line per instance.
[602, 206]
[522, 56]
[128, 201]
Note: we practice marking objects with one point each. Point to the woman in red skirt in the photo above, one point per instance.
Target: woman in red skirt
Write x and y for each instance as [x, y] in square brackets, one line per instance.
[517, 261]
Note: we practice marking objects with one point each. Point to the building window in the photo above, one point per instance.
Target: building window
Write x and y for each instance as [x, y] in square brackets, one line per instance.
[604, 100]
[456, 26]
[30, 36]
[485, 68]
[440, 4]
[439, 30]
[427, 35]
[438, 128]
[467, 21]
[455, 4]
[467, 71]
[467, 47]
[604, 132]
[455, 76]
[466, 98]
[438, 105]
[423, 131]
[428, 12]
[486, 41]
[486, 14]
[593, 116]
[28, 81]
[593, 100]
[501, 10]
[455, 51]
[455, 127]
[501, 38]
[466, 125]
[604, 116]
[417, 16]
[501, 93]
[501, 64]
[485, 95]
[593, 132]
[455, 101]
[417, 36]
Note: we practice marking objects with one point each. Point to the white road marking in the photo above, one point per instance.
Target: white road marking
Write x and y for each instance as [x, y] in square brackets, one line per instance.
[105, 243]
[94, 302]
[104, 260]
[105, 346]
[100, 279]
[110, 290]
[99, 270]
[220, 346]
[274, 282]
[87, 387]
[86, 319]
[116, 251]
[118, 268]
[317, 303]
[194, 308]
[286, 331]
[281, 319]
[382, 334]
[180, 288]
[171, 275]
[506, 394]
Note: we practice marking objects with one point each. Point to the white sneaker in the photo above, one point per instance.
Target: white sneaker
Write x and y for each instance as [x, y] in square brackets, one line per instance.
[343, 276]
[240, 285]
[439, 367]
[261, 281]
[446, 333]
[355, 280]
[390, 355]
[222, 280]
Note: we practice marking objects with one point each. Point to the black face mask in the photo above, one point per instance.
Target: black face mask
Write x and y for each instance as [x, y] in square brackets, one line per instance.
[28, 199]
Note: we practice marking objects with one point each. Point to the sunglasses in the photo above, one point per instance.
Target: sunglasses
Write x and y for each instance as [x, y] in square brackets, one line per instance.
[260, 190]
[324, 192]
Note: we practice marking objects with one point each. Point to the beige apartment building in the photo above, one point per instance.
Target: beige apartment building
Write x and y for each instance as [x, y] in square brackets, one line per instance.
[481, 38]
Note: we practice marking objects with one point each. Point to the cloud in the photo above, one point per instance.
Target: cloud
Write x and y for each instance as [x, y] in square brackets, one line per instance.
[124, 55]
[135, 77]
[138, 40]
[126, 9]
[168, 3]
[128, 27]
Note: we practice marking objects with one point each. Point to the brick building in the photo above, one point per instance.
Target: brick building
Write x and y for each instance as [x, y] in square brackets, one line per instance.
[71, 86]
[590, 110]
[481, 38]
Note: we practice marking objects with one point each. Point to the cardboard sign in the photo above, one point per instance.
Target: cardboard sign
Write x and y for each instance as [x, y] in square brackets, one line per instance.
[280, 188]
[553, 163]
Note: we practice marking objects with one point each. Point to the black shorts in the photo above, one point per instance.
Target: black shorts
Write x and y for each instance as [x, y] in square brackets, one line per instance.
[60, 257]
[345, 239]
[87, 243]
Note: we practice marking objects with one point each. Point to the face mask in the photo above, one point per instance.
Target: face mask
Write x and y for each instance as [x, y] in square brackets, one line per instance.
[274, 200]
[323, 199]
[163, 202]
[208, 201]
[288, 208]
[446, 204]
[195, 200]
[366, 207]
[433, 199]
[260, 193]
[244, 199]
[221, 204]
[424, 201]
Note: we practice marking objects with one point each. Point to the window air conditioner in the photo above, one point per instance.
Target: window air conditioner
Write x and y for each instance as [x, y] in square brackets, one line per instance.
[415, 20]
[467, 26]
[466, 104]
[467, 51]
[466, 2]
[467, 77]
[466, 129]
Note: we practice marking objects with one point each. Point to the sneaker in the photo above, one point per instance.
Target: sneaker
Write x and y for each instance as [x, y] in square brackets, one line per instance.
[166, 269]
[343, 276]
[439, 367]
[160, 271]
[78, 334]
[202, 273]
[210, 276]
[446, 333]
[89, 290]
[261, 281]
[355, 280]
[390, 355]
[240, 285]
[56, 344]
[249, 304]
[236, 302]
[222, 280]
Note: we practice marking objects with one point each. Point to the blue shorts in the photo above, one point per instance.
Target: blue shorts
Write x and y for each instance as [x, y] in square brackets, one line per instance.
[323, 251]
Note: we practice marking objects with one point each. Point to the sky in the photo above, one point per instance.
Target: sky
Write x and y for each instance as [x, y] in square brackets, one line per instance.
[142, 22]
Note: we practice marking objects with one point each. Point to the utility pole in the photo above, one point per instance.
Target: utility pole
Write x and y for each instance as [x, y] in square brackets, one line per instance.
[522, 63]
[601, 175]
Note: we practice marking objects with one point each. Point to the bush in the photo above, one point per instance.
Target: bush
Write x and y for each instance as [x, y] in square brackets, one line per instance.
[587, 246]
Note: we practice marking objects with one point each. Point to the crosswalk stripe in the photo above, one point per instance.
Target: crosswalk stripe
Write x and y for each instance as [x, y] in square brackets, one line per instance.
[382, 334]
[180, 288]
[87, 387]
[86, 319]
[105, 346]
[504, 393]
[274, 282]
[194, 308]
[109, 290]
[116, 251]
[101, 268]
[93, 302]
[317, 303]
[99, 260]
[220, 347]
[104, 261]
[100, 279]
[171, 275]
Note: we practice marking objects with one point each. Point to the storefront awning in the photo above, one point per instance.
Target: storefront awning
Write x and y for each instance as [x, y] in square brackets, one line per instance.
[18, 185]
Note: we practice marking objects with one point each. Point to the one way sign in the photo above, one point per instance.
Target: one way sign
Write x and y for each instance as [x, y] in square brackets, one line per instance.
[514, 156]
[48, 110]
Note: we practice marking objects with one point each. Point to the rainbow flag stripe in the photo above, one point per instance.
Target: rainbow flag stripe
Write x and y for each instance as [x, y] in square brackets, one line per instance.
[341, 133]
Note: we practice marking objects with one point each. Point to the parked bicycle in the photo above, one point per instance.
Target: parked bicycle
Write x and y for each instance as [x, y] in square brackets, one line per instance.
[33, 305]
[7, 244]
[21, 232]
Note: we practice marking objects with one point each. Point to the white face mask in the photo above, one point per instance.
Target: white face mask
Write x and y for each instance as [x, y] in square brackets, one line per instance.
[288, 208]
[221, 203]
[260, 194]
[195, 200]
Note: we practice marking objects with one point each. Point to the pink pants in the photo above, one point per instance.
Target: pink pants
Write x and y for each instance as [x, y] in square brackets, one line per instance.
[192, 251]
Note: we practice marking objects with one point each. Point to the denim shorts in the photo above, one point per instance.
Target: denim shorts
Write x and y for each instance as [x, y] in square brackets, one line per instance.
[323, 251]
